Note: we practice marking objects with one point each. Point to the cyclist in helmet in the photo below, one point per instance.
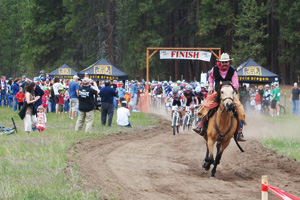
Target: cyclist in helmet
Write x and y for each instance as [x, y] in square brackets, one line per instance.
[190, 97]
[177, 96]
[158, 90]
[198, 94]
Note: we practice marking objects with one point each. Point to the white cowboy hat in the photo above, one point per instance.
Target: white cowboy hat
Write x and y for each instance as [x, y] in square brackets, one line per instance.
[225, 58]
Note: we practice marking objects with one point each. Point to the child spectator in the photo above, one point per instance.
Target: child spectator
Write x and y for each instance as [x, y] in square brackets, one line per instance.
[41, 119]
[257, 102]
[61, 102]
[20, 96]
[127, 97]
[45, 99]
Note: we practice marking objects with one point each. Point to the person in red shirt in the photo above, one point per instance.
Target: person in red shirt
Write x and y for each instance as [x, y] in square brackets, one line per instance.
[20, 96]
[257, 102]
[44, 100]
[61, 102]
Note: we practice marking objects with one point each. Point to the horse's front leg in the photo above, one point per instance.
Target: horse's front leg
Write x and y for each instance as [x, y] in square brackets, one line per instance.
[220, 149]
[209, 158]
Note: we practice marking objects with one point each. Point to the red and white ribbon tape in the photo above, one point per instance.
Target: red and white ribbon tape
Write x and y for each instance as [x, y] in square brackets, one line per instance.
[280, 193]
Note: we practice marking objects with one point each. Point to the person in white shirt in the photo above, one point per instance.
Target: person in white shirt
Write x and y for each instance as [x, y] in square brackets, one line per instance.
[123, 114]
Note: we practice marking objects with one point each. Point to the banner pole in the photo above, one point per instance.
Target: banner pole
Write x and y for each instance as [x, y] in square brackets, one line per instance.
[264, 189]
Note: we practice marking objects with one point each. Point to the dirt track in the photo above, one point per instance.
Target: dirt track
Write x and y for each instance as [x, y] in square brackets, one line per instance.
[154, 164]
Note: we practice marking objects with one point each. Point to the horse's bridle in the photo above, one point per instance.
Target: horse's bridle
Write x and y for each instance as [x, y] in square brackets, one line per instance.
[226, 97]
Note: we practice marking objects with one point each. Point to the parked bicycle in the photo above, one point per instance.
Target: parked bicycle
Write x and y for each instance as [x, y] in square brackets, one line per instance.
[265, 109]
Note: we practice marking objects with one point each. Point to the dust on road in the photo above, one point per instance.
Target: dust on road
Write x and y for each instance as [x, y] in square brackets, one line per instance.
[154, 164]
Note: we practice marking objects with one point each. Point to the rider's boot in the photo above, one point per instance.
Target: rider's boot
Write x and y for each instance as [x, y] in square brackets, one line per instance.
[201, 129]
[240, 132]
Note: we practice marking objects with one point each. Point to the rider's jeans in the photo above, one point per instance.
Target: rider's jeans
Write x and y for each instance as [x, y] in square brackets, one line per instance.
[134, 101]
[296, 107]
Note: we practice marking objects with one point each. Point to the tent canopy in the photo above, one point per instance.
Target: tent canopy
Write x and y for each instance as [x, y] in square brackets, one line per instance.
[251, 72]
[64, 72]
[102, 70]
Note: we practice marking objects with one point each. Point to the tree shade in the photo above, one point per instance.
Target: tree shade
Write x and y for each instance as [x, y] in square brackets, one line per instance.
[102, 70]
[251, 72]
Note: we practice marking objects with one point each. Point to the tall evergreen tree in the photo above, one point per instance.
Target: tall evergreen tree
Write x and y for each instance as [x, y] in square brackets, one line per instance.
[250, 33]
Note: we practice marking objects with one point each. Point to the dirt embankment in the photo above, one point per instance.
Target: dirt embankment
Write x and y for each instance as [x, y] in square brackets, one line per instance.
[154, 164]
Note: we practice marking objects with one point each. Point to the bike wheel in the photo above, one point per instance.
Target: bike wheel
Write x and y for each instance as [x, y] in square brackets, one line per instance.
[185, 121]
[174, 125]
[281, 110]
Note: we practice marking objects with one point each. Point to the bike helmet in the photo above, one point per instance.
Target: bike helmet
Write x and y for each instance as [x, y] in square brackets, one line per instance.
[175, 90]
[202, 85]
[170, 82]
[267, 86]
[159, 83]
[179, 82]
[42, 72]
[198, 89]
[188, 88]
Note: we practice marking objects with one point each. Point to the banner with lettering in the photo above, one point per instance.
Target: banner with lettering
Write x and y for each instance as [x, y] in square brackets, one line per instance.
[187, 55]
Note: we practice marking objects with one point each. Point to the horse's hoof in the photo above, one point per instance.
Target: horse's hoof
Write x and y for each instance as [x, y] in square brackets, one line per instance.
[206, 166]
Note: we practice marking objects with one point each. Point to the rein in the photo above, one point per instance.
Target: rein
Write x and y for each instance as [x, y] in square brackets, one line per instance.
[219, 132]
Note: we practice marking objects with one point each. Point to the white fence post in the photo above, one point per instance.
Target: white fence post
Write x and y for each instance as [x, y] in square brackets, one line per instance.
[264, 190]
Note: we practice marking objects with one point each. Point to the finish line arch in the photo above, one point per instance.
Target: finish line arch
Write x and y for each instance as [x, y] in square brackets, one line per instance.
[155, 49]
[218, 55]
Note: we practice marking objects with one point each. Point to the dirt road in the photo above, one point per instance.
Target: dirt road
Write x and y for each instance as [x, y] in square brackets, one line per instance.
[153, 164]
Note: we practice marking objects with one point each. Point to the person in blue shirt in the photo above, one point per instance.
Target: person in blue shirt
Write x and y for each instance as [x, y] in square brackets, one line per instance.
[15, 89]
[73, 96]
[134, 96]
[107, 95]
[121, 92]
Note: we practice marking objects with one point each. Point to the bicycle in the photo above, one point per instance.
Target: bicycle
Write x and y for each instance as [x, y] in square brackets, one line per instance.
[266, 111]
[158, 103]
[196, 115]
[175, 120]
[168, 106]
[188, 118]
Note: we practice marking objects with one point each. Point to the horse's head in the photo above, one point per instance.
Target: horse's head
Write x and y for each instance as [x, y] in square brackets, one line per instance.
[226, 97]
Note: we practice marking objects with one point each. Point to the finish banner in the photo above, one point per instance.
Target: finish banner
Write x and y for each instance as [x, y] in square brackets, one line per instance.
[187, 55]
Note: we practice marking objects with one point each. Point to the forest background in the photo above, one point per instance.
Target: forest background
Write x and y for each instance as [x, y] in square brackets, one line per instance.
[43, 35]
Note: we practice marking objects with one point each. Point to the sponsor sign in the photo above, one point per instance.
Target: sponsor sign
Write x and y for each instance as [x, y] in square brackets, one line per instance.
[103, 69]
[64, 71]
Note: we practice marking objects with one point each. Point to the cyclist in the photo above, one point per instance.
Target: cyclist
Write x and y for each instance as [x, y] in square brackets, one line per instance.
[176, 95]
[204, 92]
[158, 90]
[190, 97]
[198, 94]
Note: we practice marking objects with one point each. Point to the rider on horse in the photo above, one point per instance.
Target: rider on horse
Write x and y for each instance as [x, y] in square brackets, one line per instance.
[221, 72]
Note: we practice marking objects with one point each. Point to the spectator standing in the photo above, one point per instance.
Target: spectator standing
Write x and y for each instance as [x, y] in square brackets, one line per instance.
[275, 99]
[30, 112]
[9, 93]
[134, 96]
[41, 119]
[15, 89]
[38, 92]
[61, 102]
[123, 114]
[86, 106]
[121, 92]
[66, 99]
[20, 96]
[107, 95]
[56, 86]
[257, 102]
[73, 96]
[24, 83]
[295, 99]
[114, 86]
[3, 88]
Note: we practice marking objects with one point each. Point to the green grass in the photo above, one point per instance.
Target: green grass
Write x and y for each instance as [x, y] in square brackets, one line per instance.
[285, 138]
[32, 166]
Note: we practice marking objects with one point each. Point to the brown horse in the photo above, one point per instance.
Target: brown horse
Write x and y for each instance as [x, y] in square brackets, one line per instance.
[221, 127]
